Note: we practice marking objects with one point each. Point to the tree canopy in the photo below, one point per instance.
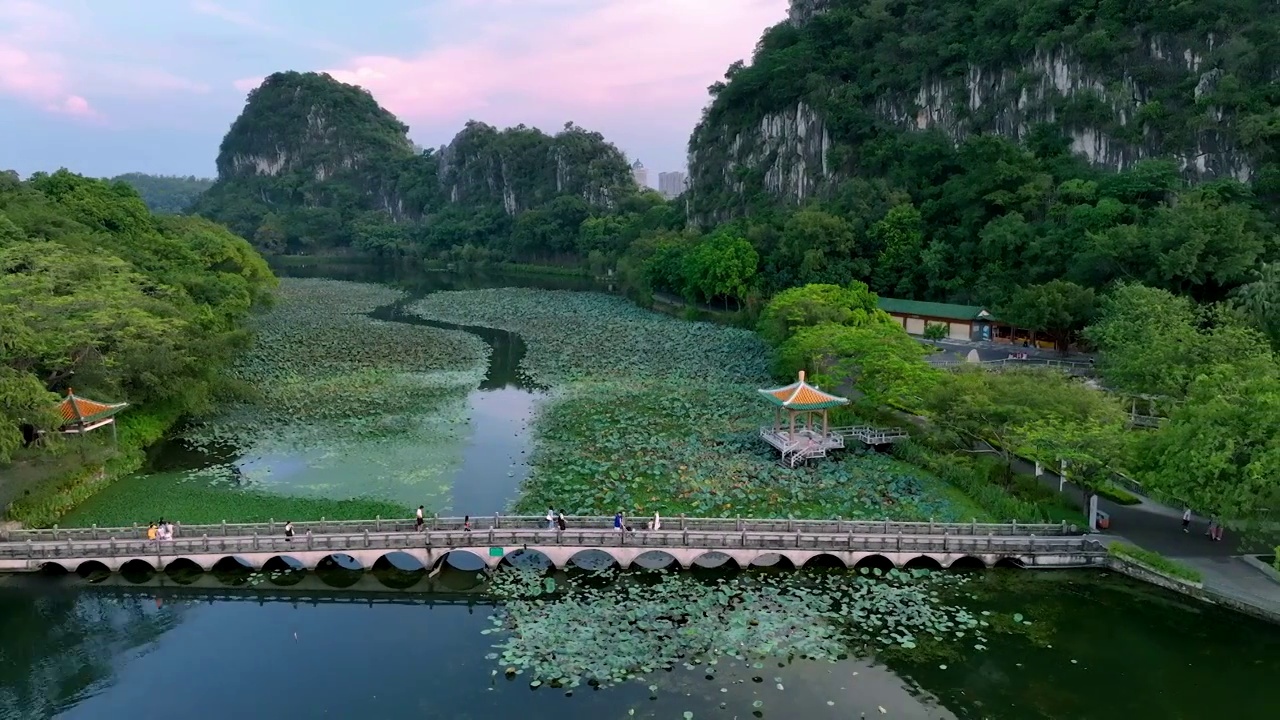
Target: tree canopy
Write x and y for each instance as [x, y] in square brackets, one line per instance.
[101, 295]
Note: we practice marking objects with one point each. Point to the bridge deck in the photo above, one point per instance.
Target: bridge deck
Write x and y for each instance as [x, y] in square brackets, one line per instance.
[497, 543]
[531, 522]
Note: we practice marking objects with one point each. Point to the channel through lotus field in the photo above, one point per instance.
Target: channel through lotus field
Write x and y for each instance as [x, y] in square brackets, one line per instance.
[337, 415]
[652, 414]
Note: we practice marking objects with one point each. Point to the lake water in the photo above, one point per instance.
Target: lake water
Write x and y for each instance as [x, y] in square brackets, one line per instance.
[394, 644]
[1104, 647]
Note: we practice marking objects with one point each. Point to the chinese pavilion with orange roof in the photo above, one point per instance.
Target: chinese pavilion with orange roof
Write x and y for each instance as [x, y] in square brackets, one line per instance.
[80, 415]
[806, 439]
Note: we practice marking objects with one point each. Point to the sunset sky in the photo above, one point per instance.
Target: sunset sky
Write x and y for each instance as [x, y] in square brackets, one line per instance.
[104, 88]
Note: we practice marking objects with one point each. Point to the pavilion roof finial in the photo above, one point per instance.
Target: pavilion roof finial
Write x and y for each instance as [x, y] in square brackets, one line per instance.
[801, 376]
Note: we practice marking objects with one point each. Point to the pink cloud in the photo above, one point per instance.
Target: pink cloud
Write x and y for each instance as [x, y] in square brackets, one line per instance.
[49, 60]
[552, 60]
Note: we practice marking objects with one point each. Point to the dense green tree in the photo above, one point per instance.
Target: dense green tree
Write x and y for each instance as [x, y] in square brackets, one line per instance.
[879, 361]
[1059, 307]
[790, 310]
[126, 305]
[722, 265]
[1219, 452]
[900, 236]
[1258, 300]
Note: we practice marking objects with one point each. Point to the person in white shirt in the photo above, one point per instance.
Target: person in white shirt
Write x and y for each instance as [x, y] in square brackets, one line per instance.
[417, 520]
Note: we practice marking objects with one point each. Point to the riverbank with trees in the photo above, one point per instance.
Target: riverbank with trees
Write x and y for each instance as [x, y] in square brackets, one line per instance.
[103, 296]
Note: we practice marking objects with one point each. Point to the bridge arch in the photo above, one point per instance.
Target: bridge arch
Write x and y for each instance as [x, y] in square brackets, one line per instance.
[53, 568]
[342, 561]
[874, 561]
[90, 569]
[183, 570]
[593, 559]
[968, 562]
[716, 560]
[137, 567]
[922, 562]
[655, 560]
[824, 560]
[773, 561]
[1009, 562]
[529, 559]
[465, 560]
[399, 561]
[282, 563]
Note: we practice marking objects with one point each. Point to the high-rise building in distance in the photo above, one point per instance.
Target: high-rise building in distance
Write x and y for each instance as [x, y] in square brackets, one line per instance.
[671, 184]
[641, 175]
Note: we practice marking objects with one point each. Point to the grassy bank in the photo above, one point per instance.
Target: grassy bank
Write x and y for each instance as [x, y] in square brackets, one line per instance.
[51, 500]
[1156, 561]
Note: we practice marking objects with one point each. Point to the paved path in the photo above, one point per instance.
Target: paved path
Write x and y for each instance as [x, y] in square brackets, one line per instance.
[1158, 527]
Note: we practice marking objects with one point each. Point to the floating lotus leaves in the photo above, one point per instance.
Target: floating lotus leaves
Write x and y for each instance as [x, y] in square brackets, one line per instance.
[610, 626]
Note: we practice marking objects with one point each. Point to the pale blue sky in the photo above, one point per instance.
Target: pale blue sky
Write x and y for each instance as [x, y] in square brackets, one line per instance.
[104, 88]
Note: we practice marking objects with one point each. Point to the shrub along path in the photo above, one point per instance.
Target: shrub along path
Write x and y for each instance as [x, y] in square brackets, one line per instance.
[1158, 527]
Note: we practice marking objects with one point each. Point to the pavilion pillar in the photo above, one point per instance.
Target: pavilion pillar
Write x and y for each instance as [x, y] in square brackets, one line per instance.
[115, 439]
[793, 423]
[777, 419]
[824, 423]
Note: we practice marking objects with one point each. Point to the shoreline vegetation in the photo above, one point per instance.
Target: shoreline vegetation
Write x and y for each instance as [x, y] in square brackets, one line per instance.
[102, 295]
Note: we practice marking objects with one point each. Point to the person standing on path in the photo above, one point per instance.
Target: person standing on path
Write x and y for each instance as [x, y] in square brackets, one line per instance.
[617, 521]
[466, 524]
[417, 520]
[551, 518]
[1186, 520]
[560, 523]
[288, 531]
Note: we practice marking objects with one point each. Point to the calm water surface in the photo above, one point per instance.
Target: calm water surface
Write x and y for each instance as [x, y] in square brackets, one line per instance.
[1116, 649]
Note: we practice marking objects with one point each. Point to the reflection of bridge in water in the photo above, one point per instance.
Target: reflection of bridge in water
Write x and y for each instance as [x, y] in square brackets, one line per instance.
[683, 542]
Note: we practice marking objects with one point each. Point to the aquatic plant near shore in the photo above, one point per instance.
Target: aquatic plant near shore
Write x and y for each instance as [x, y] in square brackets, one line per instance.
[568, 633]
[650, 413]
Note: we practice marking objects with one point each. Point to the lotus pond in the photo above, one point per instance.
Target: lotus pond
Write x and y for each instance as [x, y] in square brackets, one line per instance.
[340, 415]
[815, 644]
[650, 413]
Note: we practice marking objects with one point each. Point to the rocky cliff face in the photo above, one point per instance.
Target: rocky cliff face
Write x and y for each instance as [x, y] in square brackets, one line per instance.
[1114, 114]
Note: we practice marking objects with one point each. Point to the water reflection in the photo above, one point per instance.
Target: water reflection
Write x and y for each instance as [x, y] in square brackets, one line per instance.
[1102, 647]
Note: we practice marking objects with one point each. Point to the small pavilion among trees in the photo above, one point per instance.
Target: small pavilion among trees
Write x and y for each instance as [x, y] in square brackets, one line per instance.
[806, 431]
[81, 415]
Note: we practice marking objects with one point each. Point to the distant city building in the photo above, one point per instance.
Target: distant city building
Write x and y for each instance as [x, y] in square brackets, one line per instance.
[641, 175]
[671, 184]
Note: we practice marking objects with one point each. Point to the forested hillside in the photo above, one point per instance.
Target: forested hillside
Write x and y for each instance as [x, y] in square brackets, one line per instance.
[101, 295]
[166, 194]
[312, 163]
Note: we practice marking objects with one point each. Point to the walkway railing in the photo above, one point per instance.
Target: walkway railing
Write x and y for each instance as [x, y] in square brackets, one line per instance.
[872, 435]
[507, 538]
[509, 522]
[1072, 366]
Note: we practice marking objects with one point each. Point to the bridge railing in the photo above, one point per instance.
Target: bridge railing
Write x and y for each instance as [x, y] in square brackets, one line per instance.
[498, 522]
[605, 538]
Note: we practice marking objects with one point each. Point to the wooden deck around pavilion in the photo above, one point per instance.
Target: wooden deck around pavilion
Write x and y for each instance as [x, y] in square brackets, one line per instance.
[786, 441]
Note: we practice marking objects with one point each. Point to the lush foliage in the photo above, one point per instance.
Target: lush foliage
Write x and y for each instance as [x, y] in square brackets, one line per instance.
[170, 194]
[655, 414]
[1219, 381]
[922, 216]
[330, 423]
[1155, 561]
[126, 306]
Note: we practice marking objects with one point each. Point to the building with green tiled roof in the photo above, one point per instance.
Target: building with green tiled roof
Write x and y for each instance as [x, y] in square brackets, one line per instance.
[962, 322]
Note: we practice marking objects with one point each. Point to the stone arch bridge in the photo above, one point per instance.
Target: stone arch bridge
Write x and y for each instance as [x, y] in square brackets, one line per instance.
[745, 543]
